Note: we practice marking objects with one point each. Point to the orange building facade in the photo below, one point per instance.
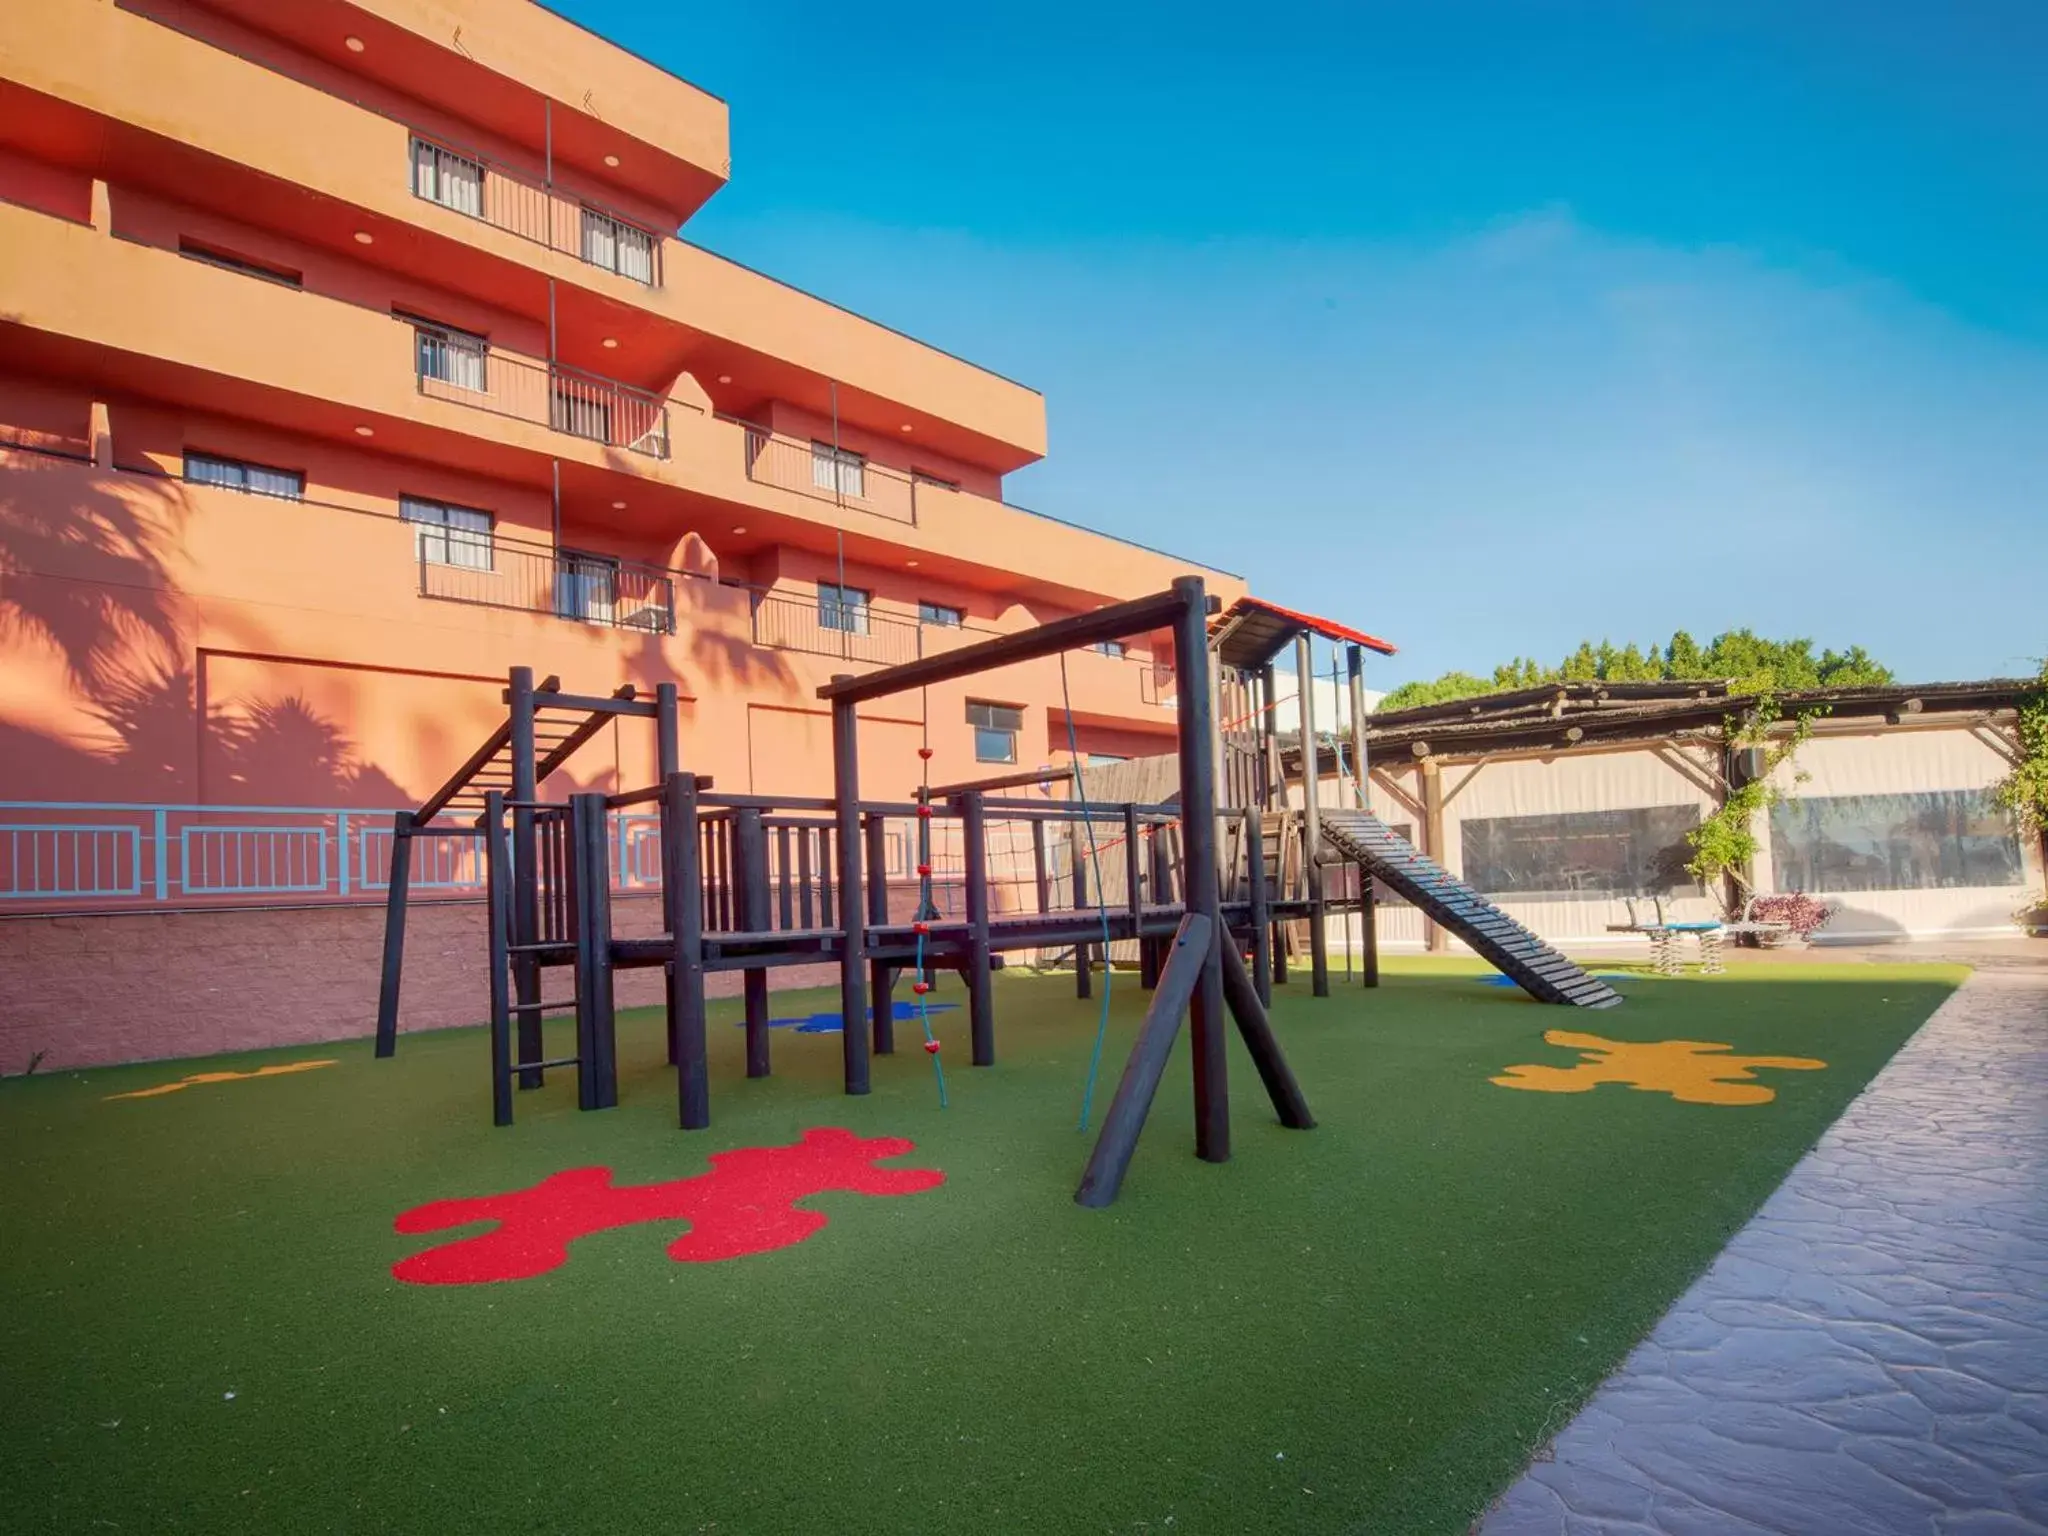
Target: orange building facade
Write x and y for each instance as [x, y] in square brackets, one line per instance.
[349, 357]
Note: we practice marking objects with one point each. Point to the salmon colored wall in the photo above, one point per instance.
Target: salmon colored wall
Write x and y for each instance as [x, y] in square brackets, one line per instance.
[51, 189]
[155, 221]
[360, 88]
[115, 64]
[896, 452]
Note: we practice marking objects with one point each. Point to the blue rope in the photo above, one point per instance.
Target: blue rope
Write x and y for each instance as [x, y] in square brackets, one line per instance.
[1101, 906]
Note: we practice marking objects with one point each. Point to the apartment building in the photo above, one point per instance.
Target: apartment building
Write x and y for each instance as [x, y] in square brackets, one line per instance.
[349, 356]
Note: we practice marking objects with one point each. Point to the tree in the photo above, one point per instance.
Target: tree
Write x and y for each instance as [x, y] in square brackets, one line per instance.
[1747, 661]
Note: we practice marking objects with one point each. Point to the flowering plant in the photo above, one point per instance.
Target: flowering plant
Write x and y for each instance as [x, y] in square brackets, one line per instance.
[1804, 914]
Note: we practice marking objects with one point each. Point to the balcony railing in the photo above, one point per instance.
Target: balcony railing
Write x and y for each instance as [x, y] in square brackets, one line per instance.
[524, 205]
[490, 572]
[850, 632]
[451, 365]
[837, 475]
[73, 855]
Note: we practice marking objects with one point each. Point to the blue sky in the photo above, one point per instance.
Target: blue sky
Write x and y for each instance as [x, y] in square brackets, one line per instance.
[1488, 327]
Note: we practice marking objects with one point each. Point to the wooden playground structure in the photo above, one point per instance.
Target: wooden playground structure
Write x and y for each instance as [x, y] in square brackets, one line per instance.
[751, 883]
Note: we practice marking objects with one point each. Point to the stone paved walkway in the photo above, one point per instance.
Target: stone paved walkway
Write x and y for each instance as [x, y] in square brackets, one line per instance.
[1870, 1354]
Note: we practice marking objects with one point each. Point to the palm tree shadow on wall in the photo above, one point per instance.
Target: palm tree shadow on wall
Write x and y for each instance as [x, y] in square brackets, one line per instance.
[86, 575]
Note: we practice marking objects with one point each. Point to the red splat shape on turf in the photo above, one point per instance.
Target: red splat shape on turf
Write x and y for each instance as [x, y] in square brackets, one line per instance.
[745, 1204]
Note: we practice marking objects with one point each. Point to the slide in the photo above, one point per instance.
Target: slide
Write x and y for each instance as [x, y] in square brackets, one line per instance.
[1502, 942]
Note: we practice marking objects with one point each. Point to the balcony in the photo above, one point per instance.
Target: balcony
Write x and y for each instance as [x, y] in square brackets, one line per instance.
[525, 205]
[478, 567]
[818, 626]
[467, 370]
[837, 475]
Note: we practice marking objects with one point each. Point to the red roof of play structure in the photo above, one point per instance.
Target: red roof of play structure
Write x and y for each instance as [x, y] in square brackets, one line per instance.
[1254, 631]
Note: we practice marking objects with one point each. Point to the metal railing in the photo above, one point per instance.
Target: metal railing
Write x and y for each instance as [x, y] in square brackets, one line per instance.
[837, 475]
[591, 589]
[450, 365]
[522, 204]
[71, 855]
[789, 622]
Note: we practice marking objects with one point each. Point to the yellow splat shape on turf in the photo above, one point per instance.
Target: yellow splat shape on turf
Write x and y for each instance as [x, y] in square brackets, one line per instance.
[219, 1077]
[1688, 1070]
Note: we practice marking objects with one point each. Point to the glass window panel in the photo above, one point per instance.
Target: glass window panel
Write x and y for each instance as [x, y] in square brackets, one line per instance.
[991, 746]
[843, 608]
[1932, 840]
[1581, 853]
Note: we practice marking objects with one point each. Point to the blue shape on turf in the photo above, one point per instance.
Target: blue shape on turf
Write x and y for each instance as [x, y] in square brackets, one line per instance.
[830, 1023]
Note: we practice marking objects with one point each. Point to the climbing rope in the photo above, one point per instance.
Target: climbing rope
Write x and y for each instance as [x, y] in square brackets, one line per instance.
[921, 924]
[1101, 905]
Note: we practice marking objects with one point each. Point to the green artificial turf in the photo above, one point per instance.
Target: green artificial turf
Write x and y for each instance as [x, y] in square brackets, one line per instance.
[1366, 1326]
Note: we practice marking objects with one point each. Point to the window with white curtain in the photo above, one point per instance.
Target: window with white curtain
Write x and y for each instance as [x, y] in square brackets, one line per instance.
[1929, 840]
[586, 587]
[449, 535]
[450, 356]
[618, 246]
[240, 475]
[442, 176]
[843, 608]
[840, 470]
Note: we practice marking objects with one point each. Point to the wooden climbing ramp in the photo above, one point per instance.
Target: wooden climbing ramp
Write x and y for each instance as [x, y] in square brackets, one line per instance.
[1502, 942]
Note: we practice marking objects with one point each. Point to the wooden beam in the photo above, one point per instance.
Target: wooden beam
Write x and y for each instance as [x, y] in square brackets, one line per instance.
[1138, 616]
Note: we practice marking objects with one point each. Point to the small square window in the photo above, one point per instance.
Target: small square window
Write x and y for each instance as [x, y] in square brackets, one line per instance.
[838, 469]
[1111, 648]
[995, 731]
[940, 614]
[843, 608]
[448, 535]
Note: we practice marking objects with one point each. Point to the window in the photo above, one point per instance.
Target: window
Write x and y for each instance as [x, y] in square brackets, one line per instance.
[442, 176]
[843, 608]
[194, 251]
[451, 356]
[1104, 759]
[1114, 648]
[617, 246]
[236, 475]
[586, 586]
[1933, 840]
[926, 477]
[446, 535]
[839, 470]
[1581, 853]
[940, 614]
[995, 731]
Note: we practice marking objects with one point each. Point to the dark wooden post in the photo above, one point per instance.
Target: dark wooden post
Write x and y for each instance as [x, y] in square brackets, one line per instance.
[1187, 957]
[1312, 826]
[981, 1022]
[1369, 929]
[684, 896]
[1264, 1045]
[394, 933]
[1198, 825]
[668, 747]
[526, 978]
[1269, 737]
[498, 914]
[1262, 916]
[853, 1002]
[881, 974]
[1040, 872]
[590, 915]
[1368, 901]
[751, 913]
